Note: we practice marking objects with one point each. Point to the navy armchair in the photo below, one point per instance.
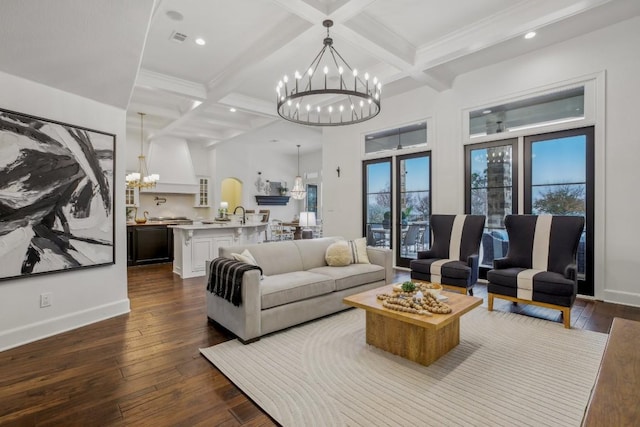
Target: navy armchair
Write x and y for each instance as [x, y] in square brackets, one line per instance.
[452, 260]
[540, 266]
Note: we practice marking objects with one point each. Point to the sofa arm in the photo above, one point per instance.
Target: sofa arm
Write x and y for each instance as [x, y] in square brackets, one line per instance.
[244, 320]
[384, 258]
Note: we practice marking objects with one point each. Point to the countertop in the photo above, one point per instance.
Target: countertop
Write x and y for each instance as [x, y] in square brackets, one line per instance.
[216, 225]
[130, 223]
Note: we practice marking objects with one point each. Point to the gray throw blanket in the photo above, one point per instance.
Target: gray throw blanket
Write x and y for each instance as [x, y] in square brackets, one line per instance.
[225, 278]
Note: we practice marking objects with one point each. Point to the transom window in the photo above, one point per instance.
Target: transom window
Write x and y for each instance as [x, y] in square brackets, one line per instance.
[558, 107]
[396, 139]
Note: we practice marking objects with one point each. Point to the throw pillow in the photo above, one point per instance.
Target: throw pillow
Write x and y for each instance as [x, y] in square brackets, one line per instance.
[338, 254]
[245, 257]
[358, 248]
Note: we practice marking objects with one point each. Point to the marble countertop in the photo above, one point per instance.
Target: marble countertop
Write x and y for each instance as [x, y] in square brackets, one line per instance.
[215, 225]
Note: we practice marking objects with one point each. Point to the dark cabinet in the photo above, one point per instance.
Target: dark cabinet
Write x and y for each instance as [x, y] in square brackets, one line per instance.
[149, 244]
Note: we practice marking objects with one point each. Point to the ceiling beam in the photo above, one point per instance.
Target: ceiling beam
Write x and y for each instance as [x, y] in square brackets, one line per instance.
[152, 80]
[250, 104]
[239, 70]
[507, 24]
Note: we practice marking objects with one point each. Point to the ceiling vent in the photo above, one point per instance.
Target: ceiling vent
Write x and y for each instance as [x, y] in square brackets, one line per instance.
[178, 37]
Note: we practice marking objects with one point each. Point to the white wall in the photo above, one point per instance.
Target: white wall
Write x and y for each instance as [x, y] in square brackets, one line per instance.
[269, 150]
[78, 297]
[242, 160]
[613, 50]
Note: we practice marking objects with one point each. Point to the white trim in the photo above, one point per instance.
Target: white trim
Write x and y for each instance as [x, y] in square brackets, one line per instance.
[600, 202]
[435, 270]
[541, 237]
[621, 297]
[456, 237]
[46, 328]
[525, 283]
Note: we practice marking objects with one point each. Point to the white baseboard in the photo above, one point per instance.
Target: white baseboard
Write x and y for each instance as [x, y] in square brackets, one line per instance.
[619, 297]
[46, 328]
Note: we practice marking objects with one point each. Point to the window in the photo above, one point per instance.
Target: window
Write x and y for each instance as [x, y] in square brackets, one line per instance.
[491, 190]
[413, 183]
[552, 108]
[377, 202]
[396, 139]
[559, 180]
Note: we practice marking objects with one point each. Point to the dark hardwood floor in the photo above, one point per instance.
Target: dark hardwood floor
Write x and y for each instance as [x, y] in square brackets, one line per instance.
[144, 368]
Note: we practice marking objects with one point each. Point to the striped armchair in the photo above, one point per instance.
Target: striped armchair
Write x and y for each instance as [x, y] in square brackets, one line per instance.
[452, 260]
[540, 266]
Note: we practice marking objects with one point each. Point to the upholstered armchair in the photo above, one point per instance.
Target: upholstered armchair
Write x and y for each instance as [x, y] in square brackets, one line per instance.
[452, 260]
[540, 266]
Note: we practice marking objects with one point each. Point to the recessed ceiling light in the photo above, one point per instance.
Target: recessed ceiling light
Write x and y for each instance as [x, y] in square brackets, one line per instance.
[530, 35]
[486, 111]
[200, 41]
[174, 15]
[233, 110]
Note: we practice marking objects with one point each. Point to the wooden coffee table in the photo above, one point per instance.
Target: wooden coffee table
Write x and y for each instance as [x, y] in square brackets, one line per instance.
[422, 339]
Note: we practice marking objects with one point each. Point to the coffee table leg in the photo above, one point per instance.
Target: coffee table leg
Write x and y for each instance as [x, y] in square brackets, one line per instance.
[412, 342]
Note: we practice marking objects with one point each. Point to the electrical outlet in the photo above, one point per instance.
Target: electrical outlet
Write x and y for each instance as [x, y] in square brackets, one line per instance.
[45, 300]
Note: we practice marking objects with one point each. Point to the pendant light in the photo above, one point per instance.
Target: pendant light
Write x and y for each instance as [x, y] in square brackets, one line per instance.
[142, 178]
[298, 192]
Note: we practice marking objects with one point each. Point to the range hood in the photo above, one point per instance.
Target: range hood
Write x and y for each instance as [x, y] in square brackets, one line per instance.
[171, 159]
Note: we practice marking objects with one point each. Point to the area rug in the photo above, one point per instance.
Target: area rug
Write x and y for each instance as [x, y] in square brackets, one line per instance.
[508, 370]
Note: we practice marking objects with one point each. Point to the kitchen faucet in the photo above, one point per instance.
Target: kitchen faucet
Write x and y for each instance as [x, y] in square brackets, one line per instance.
[244, 218]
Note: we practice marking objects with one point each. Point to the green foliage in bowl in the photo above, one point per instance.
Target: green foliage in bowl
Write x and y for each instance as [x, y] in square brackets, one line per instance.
[408, 287]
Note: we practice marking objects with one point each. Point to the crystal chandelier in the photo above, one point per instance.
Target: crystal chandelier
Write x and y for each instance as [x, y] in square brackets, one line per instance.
[330, 92]
[142, 178]
[298, 192]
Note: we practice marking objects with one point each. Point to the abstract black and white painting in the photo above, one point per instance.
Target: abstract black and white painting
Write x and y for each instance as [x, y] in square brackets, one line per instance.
[56, 196]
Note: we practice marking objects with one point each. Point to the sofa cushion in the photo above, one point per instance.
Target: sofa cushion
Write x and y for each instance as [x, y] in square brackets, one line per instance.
[285, 288]
[546, 282]
[275, 257]
[313, 251]
[338, 254]
[451, 269]
[353, 274]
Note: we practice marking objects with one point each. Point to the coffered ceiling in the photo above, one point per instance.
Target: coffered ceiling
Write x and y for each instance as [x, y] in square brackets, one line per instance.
[187, 90]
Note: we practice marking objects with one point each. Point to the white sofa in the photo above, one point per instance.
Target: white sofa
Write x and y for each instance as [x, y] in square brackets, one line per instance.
[297, 286]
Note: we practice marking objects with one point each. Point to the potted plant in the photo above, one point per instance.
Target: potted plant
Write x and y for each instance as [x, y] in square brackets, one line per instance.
[386, 220]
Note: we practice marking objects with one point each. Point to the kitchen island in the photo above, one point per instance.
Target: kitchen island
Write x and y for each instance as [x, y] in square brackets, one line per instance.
[195, 244]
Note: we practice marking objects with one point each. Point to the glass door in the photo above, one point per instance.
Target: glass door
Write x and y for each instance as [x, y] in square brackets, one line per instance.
[413, 206]
[492, 190]
[559, 180]
[376, 180]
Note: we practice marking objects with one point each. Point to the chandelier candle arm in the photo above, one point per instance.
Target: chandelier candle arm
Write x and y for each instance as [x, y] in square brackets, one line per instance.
[323, 97]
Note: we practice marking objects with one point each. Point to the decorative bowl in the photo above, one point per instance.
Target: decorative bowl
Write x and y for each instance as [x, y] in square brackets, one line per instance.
[433, 288]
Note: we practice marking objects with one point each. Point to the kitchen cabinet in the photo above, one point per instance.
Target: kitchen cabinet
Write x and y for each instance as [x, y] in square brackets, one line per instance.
[196, 244]
[149, 244]
[202, 197]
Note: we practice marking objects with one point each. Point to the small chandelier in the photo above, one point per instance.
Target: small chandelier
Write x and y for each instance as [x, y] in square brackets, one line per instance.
[142, 178]
[330, 93]
[298, 192]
